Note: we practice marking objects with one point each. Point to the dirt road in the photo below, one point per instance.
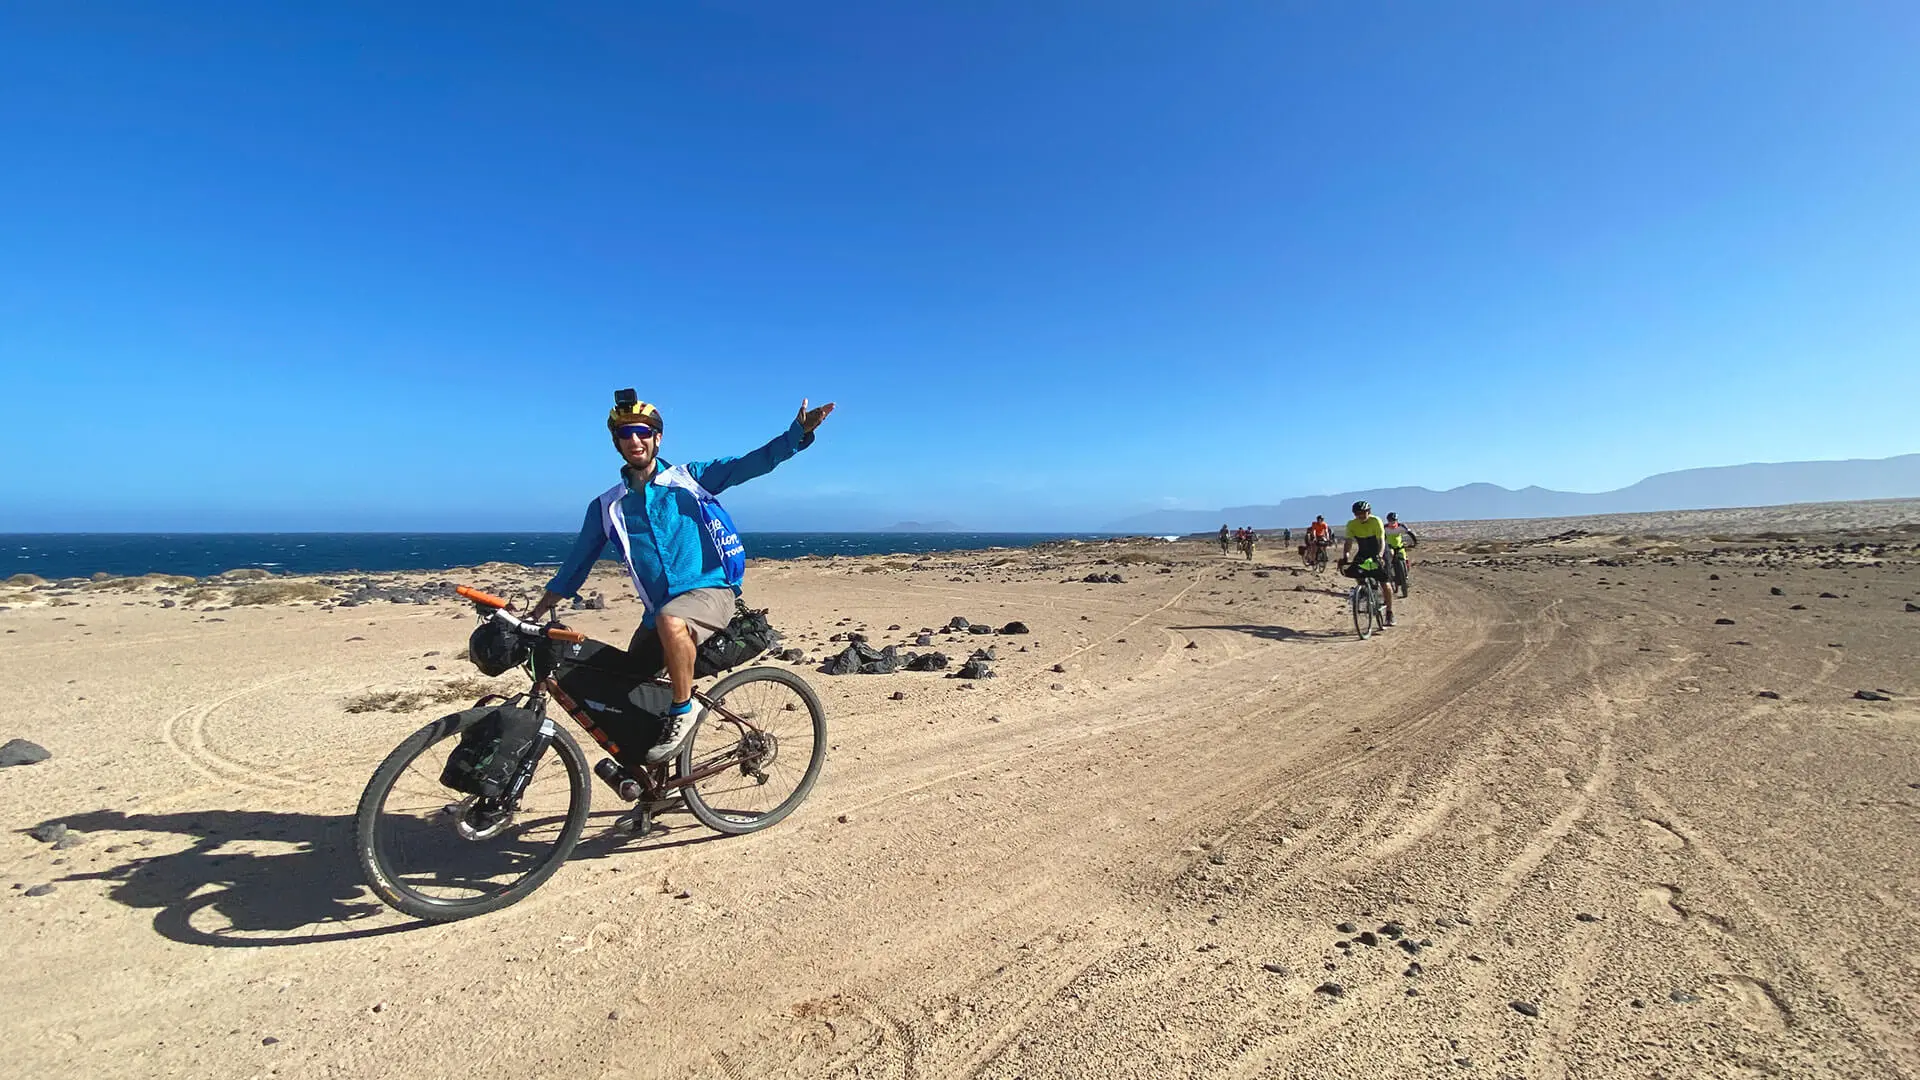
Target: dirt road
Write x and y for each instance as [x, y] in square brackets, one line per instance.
[1546, 826]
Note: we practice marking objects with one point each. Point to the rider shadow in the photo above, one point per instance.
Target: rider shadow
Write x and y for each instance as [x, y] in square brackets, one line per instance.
[313, 891]
[307, 893]
[1274, 633]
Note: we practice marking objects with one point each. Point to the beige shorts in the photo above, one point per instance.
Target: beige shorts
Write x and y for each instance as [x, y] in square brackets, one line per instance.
[707, 611]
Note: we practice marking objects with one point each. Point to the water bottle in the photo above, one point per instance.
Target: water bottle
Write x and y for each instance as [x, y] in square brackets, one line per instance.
[617, 778]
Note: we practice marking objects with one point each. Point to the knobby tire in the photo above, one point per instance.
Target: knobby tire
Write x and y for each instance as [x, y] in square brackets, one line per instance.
[734, 823]
[374, 862]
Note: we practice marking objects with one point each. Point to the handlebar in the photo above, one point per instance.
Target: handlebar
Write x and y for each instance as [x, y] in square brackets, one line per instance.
[478, 597]
[499, 606]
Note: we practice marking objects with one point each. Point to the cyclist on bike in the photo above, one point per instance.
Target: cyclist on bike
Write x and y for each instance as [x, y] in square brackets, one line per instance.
[1367, 533]
[1319, 538]
[1400, 544]
[1223, 539]
[657, 526]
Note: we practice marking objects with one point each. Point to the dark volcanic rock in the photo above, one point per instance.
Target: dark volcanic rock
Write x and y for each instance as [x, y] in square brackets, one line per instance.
[1871, 695]
[49, 833]
[1331, 989]
[1015, 628]
[933, 661]
[22, 752]
[1525, 1008]
[974, 669]
[40, 890]
[1723, 622]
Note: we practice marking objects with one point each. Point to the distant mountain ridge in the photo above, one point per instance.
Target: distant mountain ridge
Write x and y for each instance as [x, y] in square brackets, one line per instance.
[1766, 484]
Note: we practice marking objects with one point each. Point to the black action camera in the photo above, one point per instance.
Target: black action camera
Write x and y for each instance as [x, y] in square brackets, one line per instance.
[626, 398]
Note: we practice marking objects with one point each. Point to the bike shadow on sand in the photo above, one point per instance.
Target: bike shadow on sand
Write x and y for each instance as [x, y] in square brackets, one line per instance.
[1277, 633]
[256, 878]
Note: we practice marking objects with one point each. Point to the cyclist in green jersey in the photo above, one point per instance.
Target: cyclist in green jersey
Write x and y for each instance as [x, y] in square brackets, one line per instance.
[1367, 533]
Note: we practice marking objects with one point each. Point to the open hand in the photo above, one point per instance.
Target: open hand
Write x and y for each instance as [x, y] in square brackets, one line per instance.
[811, 418]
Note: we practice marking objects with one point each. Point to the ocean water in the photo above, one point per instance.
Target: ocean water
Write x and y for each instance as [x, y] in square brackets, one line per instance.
[63, 555]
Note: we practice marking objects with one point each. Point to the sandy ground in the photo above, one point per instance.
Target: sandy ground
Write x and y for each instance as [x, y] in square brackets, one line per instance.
[1558, 775]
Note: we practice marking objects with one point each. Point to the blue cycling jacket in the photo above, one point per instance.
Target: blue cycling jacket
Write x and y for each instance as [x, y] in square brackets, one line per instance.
[671, 553]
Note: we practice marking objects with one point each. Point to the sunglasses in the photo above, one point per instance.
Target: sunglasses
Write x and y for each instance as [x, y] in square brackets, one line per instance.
[634, 431]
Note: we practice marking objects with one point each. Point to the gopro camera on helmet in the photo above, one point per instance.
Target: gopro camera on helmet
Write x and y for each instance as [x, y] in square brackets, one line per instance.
[626, 397]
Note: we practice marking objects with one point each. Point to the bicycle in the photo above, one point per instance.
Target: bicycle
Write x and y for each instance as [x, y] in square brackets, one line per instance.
[752, 757]
[1314, 553]
[1365, 600]
[1402, 572]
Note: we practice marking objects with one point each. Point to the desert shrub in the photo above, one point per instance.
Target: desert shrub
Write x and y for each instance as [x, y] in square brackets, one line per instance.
[469, 688]
[280, 592]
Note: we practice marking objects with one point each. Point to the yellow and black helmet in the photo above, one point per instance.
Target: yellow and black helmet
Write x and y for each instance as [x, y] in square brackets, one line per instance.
[629, 409]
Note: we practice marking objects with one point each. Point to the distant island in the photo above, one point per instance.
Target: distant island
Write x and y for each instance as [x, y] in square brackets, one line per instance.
[923, 527]
[1722, 487]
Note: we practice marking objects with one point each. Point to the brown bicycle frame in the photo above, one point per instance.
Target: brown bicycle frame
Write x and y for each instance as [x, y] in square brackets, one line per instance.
[653, 778]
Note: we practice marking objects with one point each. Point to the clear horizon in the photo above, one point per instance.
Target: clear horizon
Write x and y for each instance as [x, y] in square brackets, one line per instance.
[378, 268]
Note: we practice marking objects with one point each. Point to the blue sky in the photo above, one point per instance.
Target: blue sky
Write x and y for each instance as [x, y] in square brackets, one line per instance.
[381, 265]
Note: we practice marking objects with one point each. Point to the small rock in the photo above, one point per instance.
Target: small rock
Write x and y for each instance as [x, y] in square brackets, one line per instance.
[1828, 596]
[1637, 1003]
[1058, 669]
[614, 1015]
[897, 695]
[1773, 694]
[1343, 945]
[379, 1006]
[843, 819]
[1871, 695]
[1587, 917]
[1413, 969]
[1368, 938]
[1411, 946]
[1218, 858]
[22, 752]
[1911, 606]
[70, 840]
[40, 890]
[1015, 628]
[1277, 969]
[1525, 1008]
[1797, 607]
[1777, 591]
[683, 894]
[268, 1041]
[1723, 622]
[1346, 928]
[1681, 997]
[1393, 929]
[1331, 989]
[49, 833]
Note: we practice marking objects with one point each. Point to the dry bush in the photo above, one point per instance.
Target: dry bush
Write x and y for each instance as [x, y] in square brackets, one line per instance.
[280, 592]
[469, 688]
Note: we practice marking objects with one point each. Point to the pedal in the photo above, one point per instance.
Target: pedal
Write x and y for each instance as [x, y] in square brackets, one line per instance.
[637, 823]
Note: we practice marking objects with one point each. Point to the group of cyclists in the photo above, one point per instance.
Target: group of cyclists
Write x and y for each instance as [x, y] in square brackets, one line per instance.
[1241, 539]
[1371, 548]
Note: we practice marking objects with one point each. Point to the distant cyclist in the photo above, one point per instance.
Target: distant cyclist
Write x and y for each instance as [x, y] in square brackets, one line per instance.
[1400, 542]
[1225, 539]
[1368, 534]
[1319, 538]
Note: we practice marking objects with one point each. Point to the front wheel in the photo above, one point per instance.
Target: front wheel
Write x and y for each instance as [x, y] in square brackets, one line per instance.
[756, 751]
[1362, 604]
[438, 854]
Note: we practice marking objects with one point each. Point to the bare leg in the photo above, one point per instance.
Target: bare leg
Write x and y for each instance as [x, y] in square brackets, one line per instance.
[676, 643]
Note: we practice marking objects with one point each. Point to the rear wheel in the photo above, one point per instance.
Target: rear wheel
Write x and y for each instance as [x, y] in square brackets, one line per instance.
[763, 740]
[1362, 612]
[439, 854]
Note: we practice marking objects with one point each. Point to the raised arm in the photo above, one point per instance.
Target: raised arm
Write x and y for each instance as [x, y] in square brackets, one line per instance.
[722, 473]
